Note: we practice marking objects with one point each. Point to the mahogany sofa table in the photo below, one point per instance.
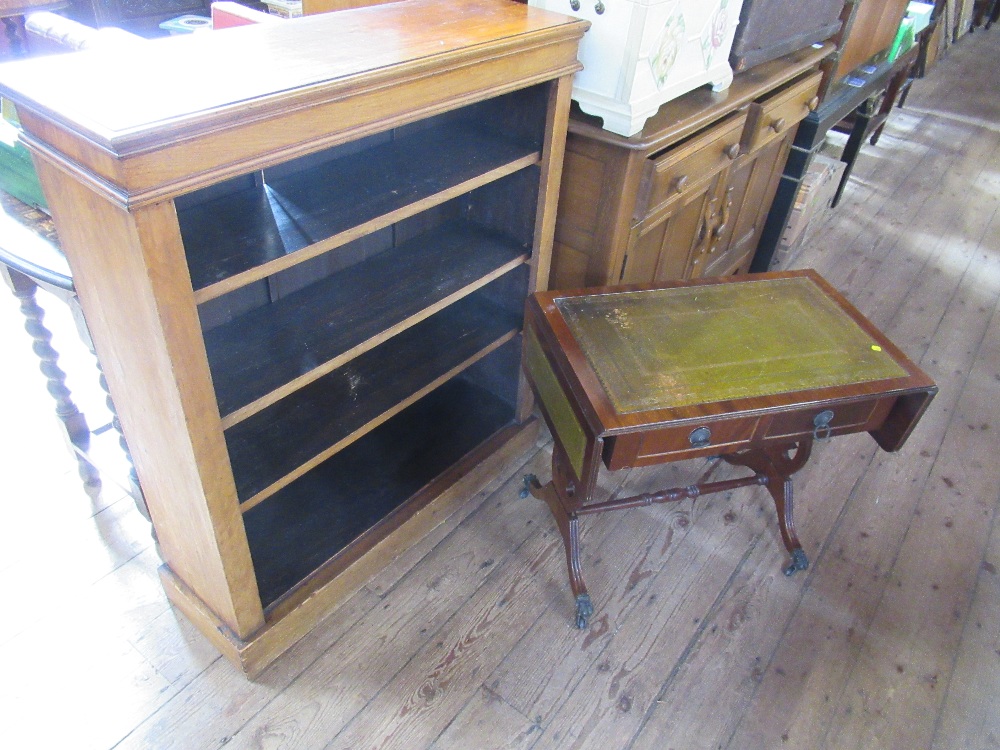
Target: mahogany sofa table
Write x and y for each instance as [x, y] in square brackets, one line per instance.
[753, 369]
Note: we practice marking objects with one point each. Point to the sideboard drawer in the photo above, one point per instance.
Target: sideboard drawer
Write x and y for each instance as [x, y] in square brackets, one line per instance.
[855, 416]
[679, 169]
[712, 437]
[786, 109]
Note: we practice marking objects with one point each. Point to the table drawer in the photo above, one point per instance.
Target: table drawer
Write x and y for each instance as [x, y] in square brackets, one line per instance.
[712, 437]
[769, 119]
[681, 168]
[855, 416]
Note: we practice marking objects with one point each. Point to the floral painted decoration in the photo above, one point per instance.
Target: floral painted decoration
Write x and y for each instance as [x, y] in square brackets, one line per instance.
[714, 34]
[670, 42]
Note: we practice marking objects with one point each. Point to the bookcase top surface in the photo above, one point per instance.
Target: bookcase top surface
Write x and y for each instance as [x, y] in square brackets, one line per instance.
[154, 85]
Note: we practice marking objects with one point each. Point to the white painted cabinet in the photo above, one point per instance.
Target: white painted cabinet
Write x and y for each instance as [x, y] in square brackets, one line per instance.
[639, 54]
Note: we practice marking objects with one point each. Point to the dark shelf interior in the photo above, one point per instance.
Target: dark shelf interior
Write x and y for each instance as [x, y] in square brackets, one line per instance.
[279, 439]
[241, 230]
[272, 345]
[307, 352]
[322, 513]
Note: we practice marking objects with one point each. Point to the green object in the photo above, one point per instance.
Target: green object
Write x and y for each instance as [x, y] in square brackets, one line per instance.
[903, 41]
[665, 348]
[567, 427]
[17, 171]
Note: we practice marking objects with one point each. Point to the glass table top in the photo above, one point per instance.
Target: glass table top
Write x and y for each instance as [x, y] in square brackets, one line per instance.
[664, 348]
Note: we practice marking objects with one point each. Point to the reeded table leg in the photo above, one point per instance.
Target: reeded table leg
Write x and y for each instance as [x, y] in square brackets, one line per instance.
[776, 465]
[558, 494]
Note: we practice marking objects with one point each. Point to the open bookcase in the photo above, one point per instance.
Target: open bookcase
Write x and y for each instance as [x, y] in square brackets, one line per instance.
[305, 275]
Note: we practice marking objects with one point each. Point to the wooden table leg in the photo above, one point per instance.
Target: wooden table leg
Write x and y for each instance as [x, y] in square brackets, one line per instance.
[777, 464]
[73, 421]
[889, 101]
[559, 495]
[862, 118]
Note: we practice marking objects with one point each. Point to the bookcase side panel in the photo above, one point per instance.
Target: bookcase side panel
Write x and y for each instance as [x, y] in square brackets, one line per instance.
[553, 152]
[131, 276]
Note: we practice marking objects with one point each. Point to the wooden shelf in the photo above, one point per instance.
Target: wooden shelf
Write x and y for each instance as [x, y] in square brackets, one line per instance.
[239, 238]
[273, 350]
[282, 442]
[309, 522]
[309, 281]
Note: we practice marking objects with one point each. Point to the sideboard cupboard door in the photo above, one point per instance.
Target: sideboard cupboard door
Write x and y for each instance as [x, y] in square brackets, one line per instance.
[754, 182]
[676, 244]
[305, 271]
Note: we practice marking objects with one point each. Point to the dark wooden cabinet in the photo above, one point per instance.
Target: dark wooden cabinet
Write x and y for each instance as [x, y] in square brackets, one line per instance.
[305, 275]
[688, 196]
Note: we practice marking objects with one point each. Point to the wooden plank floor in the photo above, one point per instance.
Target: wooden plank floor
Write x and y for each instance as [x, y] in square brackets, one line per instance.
[890, 640]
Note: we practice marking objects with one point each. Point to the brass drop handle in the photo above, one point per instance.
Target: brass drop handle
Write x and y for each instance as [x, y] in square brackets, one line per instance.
[778, 125]
[813, 103]
[821, 425]
[680, 183]
[732, 151]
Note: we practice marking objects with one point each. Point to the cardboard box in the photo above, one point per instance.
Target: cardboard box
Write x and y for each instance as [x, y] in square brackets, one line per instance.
[921, 15]
[284, 8]
[812, 203]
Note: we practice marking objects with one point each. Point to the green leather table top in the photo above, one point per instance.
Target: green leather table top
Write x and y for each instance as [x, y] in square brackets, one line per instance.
[664, 348]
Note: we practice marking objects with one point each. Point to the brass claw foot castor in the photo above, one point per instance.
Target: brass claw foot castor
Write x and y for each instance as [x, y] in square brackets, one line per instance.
[584, 609]
[530, 482]
[799, 562]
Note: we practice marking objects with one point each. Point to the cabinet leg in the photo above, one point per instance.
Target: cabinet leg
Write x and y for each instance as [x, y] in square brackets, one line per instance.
[777, 465]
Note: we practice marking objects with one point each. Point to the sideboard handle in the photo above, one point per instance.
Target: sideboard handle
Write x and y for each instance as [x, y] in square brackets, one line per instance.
[574, 4]
[599, 8]
[821, 425]
[700, 437]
